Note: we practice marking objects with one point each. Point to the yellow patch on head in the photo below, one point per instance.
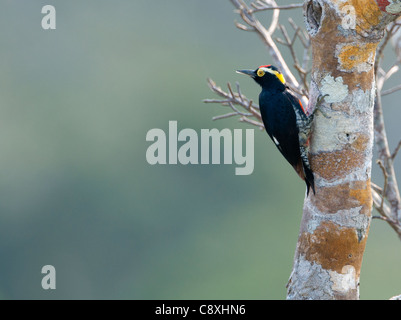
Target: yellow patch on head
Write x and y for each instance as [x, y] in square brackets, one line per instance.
[278, 74]
[280, 77]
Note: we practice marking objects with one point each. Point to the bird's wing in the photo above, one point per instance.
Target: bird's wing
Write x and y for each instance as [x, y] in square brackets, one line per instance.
[296, 103]
[303, 123]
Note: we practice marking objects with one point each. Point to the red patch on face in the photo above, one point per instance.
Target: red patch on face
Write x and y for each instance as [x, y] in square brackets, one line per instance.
[266, 66]
[302, 107]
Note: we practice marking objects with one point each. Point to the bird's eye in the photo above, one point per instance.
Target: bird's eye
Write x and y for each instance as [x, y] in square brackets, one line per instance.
[260, 73]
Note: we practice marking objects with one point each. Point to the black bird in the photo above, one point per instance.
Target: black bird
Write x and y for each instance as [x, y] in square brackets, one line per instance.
[285, 120]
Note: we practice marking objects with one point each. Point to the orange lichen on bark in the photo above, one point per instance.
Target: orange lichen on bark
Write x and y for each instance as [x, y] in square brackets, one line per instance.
[353, 55]
[362, 193]
[368, 13]
[353, 80]
[356, 80]
[344, 197]
[333, 247]
[360, 143]
[337, 164]
[342, 61]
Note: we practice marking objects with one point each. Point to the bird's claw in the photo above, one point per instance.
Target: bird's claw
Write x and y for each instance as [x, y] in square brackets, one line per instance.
[318, 103]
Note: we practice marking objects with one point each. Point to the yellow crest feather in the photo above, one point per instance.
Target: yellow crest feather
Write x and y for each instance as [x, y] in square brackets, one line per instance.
[280, 77]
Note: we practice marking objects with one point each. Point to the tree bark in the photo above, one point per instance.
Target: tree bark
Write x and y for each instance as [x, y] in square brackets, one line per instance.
[335, 222]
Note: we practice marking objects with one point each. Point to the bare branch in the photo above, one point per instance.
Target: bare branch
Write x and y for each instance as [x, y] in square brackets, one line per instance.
[275, 17]
[248, 17]
[242, 27]
[390, 191]
[380, 163]
[377, 199]
[394, 154]
[223, 102]
[239, 112]
[223, 116]
[385, 76]
[261, 6]
[385, 213]
[380, 49]
[390, 91]
[396, 40]
[232, 99]
[252, 122]
[239, 91]
[289, 42]
[274, 23]
[303, 36]
[391, 71]
[380, 218]
[376, 188]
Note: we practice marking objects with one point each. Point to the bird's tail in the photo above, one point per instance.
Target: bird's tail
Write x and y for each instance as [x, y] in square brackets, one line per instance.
[307, 171]
[309, 179]
[306, 174]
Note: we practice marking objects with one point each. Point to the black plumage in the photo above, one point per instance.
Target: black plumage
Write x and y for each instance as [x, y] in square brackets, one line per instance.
[284, 119]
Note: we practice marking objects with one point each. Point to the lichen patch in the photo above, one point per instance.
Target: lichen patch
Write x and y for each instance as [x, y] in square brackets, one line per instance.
[356, 57]
[394, 8]
[336, 90]
[360, 190]
[368, 12]
[333, 247]
[337, 164]
[342, 197]
[344, 281]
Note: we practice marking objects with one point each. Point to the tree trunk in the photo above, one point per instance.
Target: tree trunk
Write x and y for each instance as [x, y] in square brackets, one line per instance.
[335, 222]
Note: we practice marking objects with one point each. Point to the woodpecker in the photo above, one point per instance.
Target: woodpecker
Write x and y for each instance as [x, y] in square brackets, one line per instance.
[285, 120]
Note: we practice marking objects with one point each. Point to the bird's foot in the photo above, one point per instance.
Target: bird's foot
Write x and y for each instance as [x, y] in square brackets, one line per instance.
[320, 100]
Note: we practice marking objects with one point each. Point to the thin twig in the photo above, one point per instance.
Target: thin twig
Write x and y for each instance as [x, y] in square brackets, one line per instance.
[390, 190]
[385, 213]
[394, 154]
[385, 184]
[239, 112]
[259, 6]
[288, 42]
[376, 188]
[390, 91]
[249, 18]
[223, 116]
[253, 122]
[380, 218]
[243, 27]
[232, 99]
[275, 17]
[303, 36]
[385, 210]
[239, 91]
[385, 76]
[380, 49]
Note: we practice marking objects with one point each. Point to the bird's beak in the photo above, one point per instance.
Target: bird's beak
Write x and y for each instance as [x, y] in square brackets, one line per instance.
[250, 73]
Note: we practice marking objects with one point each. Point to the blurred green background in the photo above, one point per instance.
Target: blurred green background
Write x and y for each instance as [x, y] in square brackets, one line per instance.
[76, 191]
